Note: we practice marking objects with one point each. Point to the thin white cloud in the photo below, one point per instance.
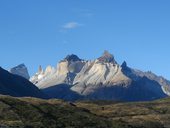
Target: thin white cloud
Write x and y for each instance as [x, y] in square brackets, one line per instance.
[72, 25]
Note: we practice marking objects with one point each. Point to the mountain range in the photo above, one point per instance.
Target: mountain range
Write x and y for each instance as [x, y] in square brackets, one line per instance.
[78, 79]
[99, 79]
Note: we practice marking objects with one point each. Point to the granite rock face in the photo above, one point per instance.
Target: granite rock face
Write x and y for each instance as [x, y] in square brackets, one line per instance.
[96, 74]
[99, 79]
[20, 70]
[65, 72]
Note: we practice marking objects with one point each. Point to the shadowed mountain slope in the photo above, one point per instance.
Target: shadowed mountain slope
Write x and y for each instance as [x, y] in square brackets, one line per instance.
[18, 86]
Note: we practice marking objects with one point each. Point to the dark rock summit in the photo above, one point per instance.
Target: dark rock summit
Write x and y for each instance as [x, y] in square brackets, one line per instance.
[72, 57]
[107, 58]
[124, 65]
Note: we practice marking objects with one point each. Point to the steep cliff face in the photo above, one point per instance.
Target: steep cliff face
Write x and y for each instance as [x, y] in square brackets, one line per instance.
[137, 75]
[102, 78]
[65, 72]
[97, 74]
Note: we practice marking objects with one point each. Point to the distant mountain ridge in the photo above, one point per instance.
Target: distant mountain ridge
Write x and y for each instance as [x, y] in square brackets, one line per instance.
[20, 70]
[100, 79]
[15, 85]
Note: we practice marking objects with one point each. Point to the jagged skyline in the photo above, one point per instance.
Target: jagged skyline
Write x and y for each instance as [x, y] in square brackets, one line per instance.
[43, 33]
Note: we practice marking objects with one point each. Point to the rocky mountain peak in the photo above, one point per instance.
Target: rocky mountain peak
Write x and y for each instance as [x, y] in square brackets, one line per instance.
[21, 66]
[72, 57]
[101, 79]
[107, 57]
[20, 70]
[40, 70]
[124, 65]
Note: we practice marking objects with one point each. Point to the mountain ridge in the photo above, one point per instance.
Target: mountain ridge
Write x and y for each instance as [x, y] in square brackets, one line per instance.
[102, 78]
[20, 70]
[18, 86]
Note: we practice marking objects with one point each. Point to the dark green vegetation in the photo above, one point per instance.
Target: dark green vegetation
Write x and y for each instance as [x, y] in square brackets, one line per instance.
[37, 113]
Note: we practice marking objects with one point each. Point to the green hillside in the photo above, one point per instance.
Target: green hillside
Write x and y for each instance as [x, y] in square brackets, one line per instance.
[37, 113]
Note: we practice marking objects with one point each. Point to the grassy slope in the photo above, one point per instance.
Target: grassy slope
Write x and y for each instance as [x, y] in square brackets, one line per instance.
[142, 114]
[32, 112]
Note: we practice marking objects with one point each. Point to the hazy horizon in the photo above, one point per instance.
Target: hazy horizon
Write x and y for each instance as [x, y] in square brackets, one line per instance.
[43, 32]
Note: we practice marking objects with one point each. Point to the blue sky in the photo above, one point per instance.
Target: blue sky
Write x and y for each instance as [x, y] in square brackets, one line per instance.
[42, 32]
